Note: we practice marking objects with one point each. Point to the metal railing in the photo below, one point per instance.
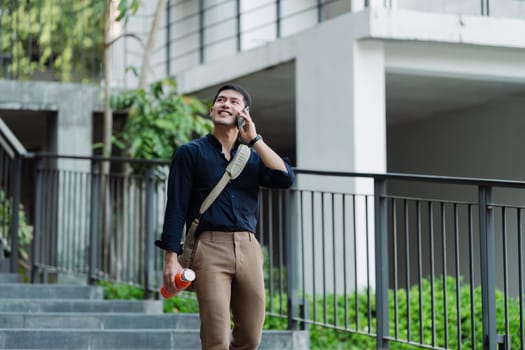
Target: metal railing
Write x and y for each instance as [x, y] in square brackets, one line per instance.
[379, 257]
[11, 153]
[397, 266]
[98, 217]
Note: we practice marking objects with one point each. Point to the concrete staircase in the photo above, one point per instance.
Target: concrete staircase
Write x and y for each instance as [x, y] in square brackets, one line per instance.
[76, 317]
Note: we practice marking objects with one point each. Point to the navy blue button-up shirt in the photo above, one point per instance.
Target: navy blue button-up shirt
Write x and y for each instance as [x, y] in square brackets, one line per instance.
[195, 169]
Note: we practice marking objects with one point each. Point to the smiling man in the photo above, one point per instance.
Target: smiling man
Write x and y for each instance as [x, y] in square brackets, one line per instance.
[228, 260]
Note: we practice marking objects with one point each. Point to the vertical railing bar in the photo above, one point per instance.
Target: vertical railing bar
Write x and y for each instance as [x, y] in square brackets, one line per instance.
[68, 218]
[55, 215]
[270, 248]
[471, 273]
[238, 24]
[94, 219]
[77, 203]
[168, 38]
[505, 273]
[85, 221]
[68, 244]
[323, 247]
[458, 290]
[367, 246]
[278, 18]
[120, 251]
[37, 223]
[75, 217]
[334, 262]
[381, 266]
[320, 11]
[201, 31]
[281, 225]
[149, 268]
[445, 287]
[419, 271]
[314, 285]
[45, 217]
[520, 279]
[134, 245]
[303, 262]
[487, 267]
[356, 294]
[394, 239]
[432, 272]
[407, 267]
[16, 175]
[345, 281]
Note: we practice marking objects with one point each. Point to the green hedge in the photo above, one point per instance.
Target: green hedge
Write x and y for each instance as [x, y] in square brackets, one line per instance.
[325, 338]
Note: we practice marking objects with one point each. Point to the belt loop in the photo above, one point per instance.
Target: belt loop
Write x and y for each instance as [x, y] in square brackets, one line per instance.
[212, 236]
[249, 235]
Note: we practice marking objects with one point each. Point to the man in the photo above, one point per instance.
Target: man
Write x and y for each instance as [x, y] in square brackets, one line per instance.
[228, 259]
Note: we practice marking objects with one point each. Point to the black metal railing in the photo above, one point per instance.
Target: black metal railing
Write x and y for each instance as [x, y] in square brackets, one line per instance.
[11, 153]
[398, 265]
[98, 217]
[446, 271]
[424, 261]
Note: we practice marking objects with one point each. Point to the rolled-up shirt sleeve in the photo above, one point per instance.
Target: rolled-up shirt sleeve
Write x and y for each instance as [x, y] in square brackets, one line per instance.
[178, 199]
[277, 178]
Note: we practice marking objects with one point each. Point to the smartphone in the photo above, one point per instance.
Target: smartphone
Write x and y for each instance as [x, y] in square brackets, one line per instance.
[240, 122]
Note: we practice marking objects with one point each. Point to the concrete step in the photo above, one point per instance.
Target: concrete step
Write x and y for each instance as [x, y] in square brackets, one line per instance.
[50, 291]
[60, 320]
[133, 339]
[6, 277]
[76, 305]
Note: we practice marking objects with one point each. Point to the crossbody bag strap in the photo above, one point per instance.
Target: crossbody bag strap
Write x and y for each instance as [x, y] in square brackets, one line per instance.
[233, 170]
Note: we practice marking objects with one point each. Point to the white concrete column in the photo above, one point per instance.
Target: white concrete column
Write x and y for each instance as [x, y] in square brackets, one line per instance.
[341, 126]
[73, 137]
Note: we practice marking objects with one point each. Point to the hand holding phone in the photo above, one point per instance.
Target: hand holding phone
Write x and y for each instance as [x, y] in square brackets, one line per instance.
[241, 122]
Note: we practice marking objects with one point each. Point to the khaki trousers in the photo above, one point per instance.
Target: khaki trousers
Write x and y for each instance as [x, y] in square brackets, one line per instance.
[229, 269]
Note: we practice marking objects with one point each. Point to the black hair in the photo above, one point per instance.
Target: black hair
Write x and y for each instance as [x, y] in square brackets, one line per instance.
[239, 89]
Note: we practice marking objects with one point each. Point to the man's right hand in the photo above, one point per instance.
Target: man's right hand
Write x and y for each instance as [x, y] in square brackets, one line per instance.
[171, 268]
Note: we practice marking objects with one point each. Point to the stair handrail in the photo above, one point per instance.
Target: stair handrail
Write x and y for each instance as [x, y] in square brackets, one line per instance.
[9, 142]
[16, 152]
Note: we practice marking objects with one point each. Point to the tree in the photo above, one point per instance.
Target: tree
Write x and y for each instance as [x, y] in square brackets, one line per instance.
[62, 39]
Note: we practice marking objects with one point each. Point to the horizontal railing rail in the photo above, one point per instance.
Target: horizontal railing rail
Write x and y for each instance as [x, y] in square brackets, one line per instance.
[425, 261]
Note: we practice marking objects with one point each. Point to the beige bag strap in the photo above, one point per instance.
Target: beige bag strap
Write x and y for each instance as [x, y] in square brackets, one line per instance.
[233, 170]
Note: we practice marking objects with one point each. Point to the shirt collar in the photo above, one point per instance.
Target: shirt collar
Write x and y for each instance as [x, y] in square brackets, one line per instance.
[217, 144]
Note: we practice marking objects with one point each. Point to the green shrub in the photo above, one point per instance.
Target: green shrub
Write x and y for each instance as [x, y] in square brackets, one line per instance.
[328, 338]
[25, 230]
[120, 291]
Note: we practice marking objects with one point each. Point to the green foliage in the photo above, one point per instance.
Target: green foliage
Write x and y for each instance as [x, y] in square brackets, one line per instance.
[324, 338]
[181, 303]
[334, 311]
[60, 36]
[121, 291]
[65, 38]
[25, 231]
[159, 120]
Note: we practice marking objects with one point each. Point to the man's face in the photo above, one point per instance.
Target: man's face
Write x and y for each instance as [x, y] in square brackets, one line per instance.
[226, 107]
